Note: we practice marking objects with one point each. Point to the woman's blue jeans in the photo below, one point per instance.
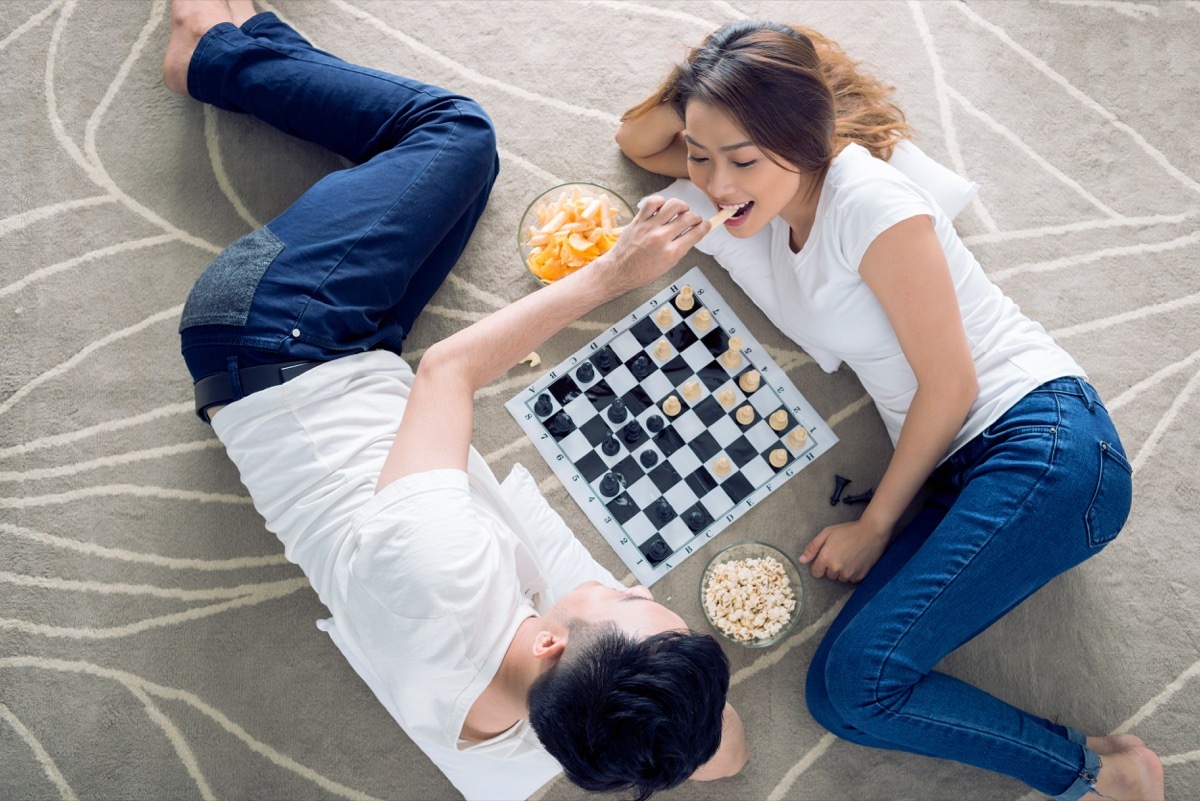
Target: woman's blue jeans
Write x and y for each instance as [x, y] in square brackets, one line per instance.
[353, 261]
[1042, 489]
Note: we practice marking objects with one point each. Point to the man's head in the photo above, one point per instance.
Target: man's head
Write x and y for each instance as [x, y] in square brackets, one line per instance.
[633, 700]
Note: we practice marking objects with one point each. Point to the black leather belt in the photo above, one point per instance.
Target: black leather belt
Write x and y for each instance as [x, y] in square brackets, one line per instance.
[217, 390]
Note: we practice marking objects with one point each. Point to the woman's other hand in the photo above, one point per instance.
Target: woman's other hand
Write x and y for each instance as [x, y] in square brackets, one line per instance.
[846, 551]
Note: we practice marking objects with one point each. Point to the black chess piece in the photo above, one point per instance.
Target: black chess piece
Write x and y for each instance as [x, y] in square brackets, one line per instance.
[696, 520]
[640, 367]
[837, 490]
[863, 498]
[655, 424]
[543, 406]
[604, 358]
[617, 411]
[610, 485]
[561, 423]
[632, 432]
[663, 510]
[659, 550]
[648, 458]
[586, 372]
[610, 446]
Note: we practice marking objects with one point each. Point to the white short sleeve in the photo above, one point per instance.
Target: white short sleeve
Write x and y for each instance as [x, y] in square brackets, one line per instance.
[421, 547]
[870, 205]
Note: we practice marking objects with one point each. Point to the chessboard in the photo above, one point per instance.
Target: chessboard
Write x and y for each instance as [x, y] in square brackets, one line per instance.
[670, 425]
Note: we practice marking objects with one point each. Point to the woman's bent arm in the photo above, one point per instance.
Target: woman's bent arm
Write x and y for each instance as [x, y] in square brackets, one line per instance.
[906, 269]
[654, 142]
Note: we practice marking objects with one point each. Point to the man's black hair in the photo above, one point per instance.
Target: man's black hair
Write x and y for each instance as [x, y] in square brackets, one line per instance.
[621, 713]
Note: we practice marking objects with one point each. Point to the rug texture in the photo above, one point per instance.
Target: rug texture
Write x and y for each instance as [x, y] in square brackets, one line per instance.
[154, 643]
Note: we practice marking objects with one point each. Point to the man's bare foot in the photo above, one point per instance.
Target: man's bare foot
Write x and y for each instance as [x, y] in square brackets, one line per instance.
[241, 10]
[190, 20]
[1131, 773]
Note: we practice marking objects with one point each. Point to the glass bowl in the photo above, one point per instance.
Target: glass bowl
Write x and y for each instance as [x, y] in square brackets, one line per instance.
[576, 199]
[755, 550]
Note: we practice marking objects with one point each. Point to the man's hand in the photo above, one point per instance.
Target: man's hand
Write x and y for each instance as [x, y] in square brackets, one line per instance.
[659, 236]
[846, 551]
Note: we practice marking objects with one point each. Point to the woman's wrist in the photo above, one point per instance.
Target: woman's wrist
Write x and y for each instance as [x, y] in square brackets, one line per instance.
[878, 521]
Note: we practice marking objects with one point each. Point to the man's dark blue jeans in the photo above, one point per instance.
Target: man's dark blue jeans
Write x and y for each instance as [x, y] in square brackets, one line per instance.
[352, 262]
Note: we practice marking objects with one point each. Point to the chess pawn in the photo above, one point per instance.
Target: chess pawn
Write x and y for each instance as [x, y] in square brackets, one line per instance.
[685, 300]
[721, 467]
[745, 415]
[726, 397]
[702, 319]
[671, 406]
[691, 389]
[750, 381]
[779, 457]
[778, 419]
[662, 350]
[664, 318]
[797, 437]
[733, 357]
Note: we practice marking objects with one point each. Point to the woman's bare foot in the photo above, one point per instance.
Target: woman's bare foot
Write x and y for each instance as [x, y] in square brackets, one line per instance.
[190, 20]
[1114, 743]
[241, 10]
[1132, 772]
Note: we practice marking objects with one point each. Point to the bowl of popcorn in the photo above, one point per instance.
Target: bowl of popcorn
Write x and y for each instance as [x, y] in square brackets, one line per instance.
[569, 225]
[751, 594]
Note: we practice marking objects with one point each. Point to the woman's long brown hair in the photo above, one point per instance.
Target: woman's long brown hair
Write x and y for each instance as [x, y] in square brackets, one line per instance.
[795, 93]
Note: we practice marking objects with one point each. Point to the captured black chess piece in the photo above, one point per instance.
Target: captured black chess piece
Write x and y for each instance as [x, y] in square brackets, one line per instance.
[648, 458]
[617, 411]
[610, 446]
[543, 406]
[610, 485]
[586, 372]
[640, 366]
[863, 498]
[837, 490]
[655, 424]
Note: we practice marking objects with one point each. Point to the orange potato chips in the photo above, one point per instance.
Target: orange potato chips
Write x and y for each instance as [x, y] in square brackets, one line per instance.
[570, 232]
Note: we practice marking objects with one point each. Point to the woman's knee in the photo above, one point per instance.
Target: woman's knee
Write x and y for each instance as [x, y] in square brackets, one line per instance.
[861, 692]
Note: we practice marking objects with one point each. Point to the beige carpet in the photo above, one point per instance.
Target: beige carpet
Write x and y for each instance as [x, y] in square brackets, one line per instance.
[153, 642]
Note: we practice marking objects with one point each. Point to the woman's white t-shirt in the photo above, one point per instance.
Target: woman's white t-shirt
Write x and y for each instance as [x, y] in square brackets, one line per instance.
[427, 580]
[817, 298]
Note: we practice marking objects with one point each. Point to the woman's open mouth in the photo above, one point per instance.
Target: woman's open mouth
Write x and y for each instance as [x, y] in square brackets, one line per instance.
[743, 211]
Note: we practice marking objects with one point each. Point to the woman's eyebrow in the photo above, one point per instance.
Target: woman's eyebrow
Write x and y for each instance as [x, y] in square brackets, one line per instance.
[725, 149]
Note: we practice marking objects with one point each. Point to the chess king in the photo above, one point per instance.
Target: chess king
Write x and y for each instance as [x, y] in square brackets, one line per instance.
[486, 629]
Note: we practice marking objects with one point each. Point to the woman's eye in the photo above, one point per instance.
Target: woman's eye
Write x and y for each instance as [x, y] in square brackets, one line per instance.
[744, 164]
[696, 159]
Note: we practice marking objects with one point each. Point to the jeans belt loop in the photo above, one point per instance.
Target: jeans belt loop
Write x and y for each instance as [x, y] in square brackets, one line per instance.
[235, 381]
[1087, 396]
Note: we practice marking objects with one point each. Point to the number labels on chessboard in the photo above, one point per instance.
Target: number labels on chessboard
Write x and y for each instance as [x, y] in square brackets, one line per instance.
[670, 426]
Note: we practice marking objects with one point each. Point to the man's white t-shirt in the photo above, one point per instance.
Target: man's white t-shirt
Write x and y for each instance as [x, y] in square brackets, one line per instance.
[427, 581]
[817, 298]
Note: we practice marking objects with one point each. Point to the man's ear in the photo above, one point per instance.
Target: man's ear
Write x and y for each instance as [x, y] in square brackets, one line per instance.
[549, 645]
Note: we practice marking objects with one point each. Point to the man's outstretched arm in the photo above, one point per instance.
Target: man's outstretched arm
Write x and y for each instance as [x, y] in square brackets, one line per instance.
[435, 431]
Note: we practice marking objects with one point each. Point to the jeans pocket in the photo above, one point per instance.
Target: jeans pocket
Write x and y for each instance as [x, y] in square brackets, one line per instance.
[1112, 499]
[224, 291]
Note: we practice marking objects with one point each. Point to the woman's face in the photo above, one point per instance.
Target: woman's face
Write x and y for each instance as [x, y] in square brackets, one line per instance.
[733, 171]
